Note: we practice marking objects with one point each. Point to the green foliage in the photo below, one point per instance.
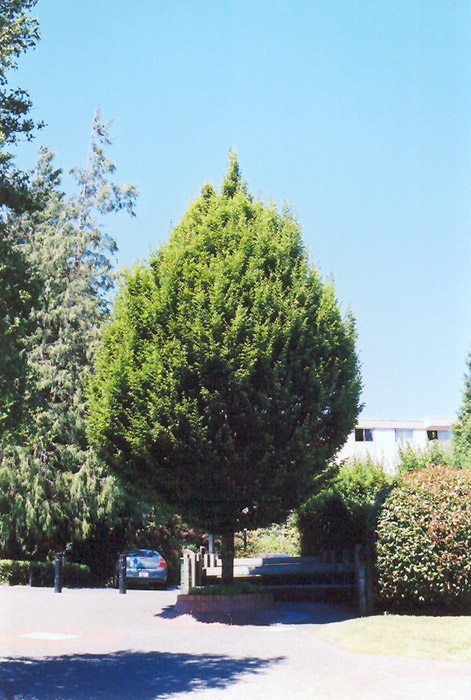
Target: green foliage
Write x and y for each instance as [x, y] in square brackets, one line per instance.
[52, 489]
[54, 279]
[461, 436]
[423, 541]
[19, 290]
[44, 506]
[280, 538]
[18, 33]
[339, 516]
[412, 459]
[227, 377]
[18, 286]
[16, 573]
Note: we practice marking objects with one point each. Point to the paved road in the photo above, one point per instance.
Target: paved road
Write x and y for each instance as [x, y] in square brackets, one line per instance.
[99, 645]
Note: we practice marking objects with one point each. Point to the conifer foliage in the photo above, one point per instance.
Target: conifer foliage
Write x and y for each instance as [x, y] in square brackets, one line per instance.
[18, 288]
[227, 378]
[18, 32]
[52, 490]
[54, 277]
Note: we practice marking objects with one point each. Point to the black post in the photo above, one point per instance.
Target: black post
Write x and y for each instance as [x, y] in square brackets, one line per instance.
[122, 573]
[58, 573]
[227, 556]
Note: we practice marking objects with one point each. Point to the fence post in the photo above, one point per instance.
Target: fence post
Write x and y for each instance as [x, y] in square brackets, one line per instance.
[183, 576]
[58, 573]
[193, 572]
[200, 566]
[122, 574]
[362, 576]
[185, 579]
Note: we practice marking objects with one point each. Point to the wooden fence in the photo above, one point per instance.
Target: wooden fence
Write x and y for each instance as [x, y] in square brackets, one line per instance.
[331, 572]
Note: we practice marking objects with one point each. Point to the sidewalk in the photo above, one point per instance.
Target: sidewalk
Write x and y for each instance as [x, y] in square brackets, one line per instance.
[99, 645]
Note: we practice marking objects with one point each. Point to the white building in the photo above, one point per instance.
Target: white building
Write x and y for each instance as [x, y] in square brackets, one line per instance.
[382, 439]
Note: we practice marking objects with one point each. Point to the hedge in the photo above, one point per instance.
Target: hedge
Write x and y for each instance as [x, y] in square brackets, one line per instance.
[339, 517]
[15, 573]
[423, 542]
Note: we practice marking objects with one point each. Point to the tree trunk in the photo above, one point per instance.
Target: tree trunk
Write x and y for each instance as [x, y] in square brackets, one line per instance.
[227, 557]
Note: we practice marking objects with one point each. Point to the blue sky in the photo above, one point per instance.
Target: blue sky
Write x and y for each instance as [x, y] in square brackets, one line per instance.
[357, 113]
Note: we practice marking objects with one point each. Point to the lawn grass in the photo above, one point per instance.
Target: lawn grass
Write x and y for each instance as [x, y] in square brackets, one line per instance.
[445, 638]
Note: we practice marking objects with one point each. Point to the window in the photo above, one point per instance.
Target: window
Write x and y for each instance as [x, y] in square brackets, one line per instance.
[403, 434]
[441, 435]
[363, 435]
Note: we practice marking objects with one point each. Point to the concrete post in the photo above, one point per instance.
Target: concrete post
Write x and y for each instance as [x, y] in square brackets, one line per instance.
[185, 574]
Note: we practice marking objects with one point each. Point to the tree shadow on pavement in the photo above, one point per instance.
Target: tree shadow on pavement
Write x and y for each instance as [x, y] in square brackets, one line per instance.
[123, 675]
[282, 614]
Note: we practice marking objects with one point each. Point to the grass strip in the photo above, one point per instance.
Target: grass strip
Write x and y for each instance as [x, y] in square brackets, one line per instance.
[444, 638]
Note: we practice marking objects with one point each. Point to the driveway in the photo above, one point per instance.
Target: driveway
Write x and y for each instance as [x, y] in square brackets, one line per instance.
[99, 645]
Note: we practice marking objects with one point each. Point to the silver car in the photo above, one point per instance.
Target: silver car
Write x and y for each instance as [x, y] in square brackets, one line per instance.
[146, 566]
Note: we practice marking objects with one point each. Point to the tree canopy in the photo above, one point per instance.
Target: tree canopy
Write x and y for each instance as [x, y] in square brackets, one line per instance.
[461, 438]
[18, 286]
[18, 32]
[55, 279]
[227, 377]
[51, 489]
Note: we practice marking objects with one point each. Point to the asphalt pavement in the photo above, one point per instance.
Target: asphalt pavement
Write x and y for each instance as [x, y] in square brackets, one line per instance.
[95, 644]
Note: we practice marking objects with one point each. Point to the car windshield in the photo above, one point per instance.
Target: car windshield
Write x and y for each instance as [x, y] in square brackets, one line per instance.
[143, 553]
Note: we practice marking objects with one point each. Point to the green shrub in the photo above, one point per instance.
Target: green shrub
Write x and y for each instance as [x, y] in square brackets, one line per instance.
[281, 538]
[339, 517]
[423, 541]
[414, 459]
[14, 573]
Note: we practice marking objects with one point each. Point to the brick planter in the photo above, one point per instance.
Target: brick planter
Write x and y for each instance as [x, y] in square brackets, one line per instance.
[242, 604]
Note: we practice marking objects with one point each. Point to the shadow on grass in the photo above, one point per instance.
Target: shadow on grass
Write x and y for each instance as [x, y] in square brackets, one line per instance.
[124, 675]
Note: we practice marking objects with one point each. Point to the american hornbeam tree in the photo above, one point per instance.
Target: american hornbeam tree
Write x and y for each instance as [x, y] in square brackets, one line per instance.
[227, 377]
[51, 488]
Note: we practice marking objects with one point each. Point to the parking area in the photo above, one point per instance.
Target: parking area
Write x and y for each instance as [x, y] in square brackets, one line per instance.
[99, 645]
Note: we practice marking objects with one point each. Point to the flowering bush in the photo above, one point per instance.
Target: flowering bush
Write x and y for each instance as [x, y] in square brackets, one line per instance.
[423, 541]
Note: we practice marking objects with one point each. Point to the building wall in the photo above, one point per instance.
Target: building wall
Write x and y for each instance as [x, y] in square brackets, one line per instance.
[383, 438]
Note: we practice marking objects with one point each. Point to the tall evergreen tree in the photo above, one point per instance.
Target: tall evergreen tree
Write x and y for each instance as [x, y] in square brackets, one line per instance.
[60, 492]
[18, 288]
[227, 378]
